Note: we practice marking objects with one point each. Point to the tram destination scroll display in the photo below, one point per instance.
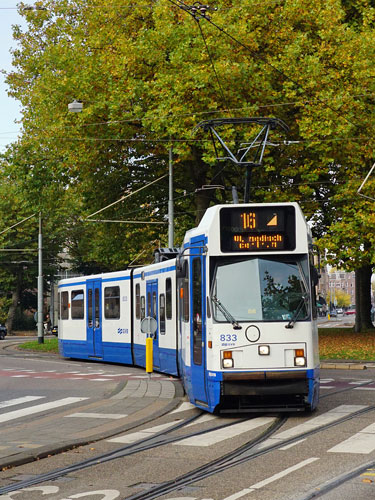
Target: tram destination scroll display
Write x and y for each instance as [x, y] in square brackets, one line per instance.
[257, 229]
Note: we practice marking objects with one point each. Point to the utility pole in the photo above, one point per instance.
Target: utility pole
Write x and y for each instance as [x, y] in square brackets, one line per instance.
[170, 203]
[40, 284]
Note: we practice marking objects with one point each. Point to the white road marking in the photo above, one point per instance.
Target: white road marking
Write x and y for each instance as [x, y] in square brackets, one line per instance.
[146, 433]
[360, 382]
[363, 442]
[38, 408]
[218, 435]
[327, 387]
[311, 424]
[19, 401]
[326, 380]
[19, 376]
[97, 379]
[292, 444]
[113, 416]
[202, 419]
[364, 388]
[183, 407]
[275, 477]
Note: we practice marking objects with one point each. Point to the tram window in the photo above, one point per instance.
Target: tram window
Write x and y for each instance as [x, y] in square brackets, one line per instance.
[168, 297]
[149, 304]
[64, 305]
[138, 301]
[185, 303]
[162, 313]
[154, 300]
[143, 307]
[89, 308]
[197, 312]
[97, 307]
[58, 305]
[77, 304]
[112, 302]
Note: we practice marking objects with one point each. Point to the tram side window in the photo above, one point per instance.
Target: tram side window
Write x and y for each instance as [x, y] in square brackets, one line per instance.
[197, 312]
[89, 308]
[58, 305]
[77, 304]
[162, 313]
[185, 288]
[168, 298]
[112, 302]
[154, 304]
[138, 301]
[143, 307]
[64, 305]
[184, 294]
[149, 304]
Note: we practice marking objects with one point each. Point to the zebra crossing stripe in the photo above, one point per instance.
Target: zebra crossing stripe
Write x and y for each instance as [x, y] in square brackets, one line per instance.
[218, 435]
[19, 401]
[362, 442]
[311, 424]
[144, 434]
[38, 408]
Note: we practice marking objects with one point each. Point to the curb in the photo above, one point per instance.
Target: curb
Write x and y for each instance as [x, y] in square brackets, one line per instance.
[345, 366]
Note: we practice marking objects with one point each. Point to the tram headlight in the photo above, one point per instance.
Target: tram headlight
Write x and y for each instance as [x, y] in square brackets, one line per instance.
[264, 350]
[227, 359]
[299, 361]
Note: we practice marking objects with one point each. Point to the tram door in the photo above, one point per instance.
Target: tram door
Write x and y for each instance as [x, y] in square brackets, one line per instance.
[94, 318]
[152, 310]
[198, 325]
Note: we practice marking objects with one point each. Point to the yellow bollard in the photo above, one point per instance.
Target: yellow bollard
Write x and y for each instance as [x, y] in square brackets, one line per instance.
[329, 316]
[149, 354]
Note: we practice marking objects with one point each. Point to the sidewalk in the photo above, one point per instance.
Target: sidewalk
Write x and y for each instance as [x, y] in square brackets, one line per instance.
[132, 403]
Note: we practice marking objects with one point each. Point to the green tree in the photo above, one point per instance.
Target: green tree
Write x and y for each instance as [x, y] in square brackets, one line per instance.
[148, 73]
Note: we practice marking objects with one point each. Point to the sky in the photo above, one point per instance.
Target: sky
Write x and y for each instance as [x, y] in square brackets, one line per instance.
[9, 107]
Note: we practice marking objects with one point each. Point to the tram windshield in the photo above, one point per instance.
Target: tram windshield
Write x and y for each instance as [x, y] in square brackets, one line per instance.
[256, 289]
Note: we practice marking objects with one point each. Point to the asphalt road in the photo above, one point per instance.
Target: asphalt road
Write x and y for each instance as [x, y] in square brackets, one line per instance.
[308, 453]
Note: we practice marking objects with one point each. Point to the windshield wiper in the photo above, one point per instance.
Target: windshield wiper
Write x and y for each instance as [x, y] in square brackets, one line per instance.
[301, 303]
[226, 313]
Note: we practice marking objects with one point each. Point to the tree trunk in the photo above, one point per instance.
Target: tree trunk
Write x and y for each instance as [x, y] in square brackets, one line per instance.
[15, 300]
[363, 299]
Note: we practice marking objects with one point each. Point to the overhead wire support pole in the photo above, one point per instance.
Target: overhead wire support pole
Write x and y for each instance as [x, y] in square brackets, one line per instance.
[40, 282]
[170, 202]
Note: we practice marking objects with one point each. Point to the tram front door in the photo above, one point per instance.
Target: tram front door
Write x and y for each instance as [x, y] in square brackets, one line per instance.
[198, 324]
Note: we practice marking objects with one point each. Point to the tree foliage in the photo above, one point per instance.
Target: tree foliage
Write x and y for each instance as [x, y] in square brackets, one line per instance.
[148, 73]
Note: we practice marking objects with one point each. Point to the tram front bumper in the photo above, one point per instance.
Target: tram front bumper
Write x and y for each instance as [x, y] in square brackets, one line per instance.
[275, 390]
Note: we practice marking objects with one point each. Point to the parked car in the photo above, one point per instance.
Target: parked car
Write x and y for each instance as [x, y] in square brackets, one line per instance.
[350, 311]
[333, 313]
[54, 330]
[3, 331]
[339, 310]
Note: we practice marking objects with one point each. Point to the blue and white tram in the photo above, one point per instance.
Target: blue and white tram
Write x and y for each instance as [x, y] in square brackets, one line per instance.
[235, 310]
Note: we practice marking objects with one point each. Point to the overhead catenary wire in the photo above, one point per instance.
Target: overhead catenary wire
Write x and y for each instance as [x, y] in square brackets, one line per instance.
[185, 7]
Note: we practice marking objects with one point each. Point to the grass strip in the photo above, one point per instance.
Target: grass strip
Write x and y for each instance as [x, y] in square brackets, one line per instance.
[49, 345]
[345, 344]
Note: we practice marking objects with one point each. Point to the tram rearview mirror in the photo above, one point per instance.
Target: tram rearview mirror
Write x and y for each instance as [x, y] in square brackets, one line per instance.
[149, 325]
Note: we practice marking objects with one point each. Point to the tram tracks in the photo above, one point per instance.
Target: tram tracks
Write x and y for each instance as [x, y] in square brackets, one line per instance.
[238, 457]
[155, 440]
[245, 453]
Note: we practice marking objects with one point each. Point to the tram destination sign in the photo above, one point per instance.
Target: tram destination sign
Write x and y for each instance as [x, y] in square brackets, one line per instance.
[257, 229]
